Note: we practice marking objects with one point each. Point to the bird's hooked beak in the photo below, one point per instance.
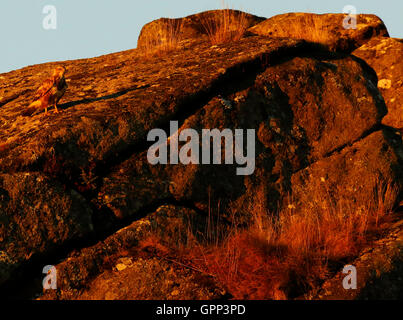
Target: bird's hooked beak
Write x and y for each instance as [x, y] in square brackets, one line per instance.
[59, 72]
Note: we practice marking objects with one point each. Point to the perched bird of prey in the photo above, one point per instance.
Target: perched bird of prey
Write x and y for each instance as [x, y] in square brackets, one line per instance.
[49, 93]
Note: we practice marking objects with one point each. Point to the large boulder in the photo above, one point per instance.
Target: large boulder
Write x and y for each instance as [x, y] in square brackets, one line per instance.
[298, 123]
[325, 29]
[119, 269]
[355, 177]
[384, 56]
[114, 100]
[37, 216]
[194, 27]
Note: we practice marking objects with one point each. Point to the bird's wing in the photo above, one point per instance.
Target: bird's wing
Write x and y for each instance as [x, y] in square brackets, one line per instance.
[62, 83]
[44, 88]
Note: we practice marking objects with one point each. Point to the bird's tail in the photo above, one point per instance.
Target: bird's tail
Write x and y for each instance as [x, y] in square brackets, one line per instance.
[32, 108]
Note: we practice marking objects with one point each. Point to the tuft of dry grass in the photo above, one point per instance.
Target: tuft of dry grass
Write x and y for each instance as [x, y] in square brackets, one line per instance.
[164, 39]
[310, 27]
[230, 26]
[284, 256]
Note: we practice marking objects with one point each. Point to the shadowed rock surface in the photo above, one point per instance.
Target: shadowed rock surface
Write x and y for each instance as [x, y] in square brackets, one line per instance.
[83, 174]
[379, 272]
[118, 262]
[341, 175]
[37, 215]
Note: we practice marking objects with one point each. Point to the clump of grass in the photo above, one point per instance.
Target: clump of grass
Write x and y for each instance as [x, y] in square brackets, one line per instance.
[284, 256]
[229, 26]
[310, 27]
[165, 38]
[313, 28]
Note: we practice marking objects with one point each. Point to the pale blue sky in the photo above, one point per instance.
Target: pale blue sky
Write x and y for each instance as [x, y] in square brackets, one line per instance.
[88, 28]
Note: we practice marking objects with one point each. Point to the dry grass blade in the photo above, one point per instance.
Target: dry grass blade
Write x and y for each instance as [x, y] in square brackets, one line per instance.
[229, 25]
[164, 39]
[284, 257]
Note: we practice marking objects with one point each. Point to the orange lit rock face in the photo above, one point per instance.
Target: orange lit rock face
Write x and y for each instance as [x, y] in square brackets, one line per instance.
[384, 56]
[194, 27]
[324, 29]
[317, 117]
